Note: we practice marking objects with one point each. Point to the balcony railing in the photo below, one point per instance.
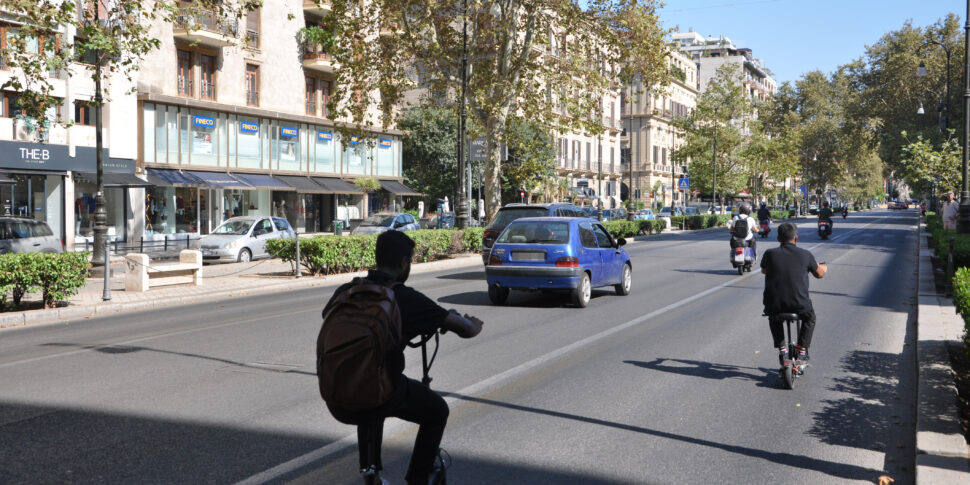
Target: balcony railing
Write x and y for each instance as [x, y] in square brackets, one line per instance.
[252, 98]
[252, 39]
[202, 19]
[314, 51]
[185, 87]
[311, 106]
[208, 91]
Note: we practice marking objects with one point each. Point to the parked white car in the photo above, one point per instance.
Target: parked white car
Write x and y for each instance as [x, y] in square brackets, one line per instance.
[242, 239]
[387, 221]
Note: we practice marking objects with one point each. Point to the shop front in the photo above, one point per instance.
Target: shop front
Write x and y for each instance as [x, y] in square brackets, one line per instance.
[391, 196]
[348, 200]
[117, 206]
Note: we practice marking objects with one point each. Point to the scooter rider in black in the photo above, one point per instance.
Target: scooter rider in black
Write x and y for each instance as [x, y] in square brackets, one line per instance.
[825, 214]
[764, 215]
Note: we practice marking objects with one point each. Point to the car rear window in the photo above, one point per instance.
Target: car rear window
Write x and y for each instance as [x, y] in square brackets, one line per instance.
[14, 230]
[506, 216]
[536, 233]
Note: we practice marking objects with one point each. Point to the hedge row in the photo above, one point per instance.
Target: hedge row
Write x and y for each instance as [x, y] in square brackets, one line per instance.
[700, 221]
[961, 299]
[56, 276]
[323, 255]
[623, 228]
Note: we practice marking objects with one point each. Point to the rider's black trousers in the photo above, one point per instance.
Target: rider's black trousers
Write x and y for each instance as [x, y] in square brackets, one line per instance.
[804, 337]
[412, 402]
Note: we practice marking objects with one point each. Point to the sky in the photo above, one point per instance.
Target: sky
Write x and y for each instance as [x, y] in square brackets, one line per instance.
[793, 37]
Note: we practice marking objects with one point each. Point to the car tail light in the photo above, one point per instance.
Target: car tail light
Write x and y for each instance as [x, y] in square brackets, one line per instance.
[738, 250]
[567, 262]
[494, 260]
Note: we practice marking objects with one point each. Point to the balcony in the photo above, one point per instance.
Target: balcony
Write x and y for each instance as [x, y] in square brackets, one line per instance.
[208, 91]
[204, 27]
[184, 87]
[252, 98]
[315, 58]
[317, 7]
[311, 106]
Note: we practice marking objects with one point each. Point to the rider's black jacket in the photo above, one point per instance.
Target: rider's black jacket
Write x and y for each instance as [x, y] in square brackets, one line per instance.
[764, 214]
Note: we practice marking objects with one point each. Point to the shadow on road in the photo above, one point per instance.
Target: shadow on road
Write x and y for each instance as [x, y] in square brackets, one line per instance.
[468, 276]
[840, 470]
[720, 272]
[762, 376]
[537, 299]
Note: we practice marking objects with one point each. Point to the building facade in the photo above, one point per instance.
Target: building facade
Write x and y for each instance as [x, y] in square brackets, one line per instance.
[649, 136]
[711, 53]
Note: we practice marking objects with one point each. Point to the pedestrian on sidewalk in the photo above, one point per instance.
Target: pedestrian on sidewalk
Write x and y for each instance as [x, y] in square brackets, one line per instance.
[950, 209]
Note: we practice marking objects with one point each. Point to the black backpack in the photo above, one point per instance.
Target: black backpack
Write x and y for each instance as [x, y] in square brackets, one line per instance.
[359, 329]
[740, 228]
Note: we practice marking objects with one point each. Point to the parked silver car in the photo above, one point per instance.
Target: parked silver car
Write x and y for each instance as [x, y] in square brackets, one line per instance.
[242, 239]
[22, 235]
[386, 221]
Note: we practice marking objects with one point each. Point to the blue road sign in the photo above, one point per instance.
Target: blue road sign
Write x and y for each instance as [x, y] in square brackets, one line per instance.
[683, 184]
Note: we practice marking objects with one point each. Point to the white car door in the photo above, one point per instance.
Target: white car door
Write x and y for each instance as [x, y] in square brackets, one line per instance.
[263, 231]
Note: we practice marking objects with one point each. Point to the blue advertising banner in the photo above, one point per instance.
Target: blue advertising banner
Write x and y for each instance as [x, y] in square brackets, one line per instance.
[324, 136]
[248, 127]
[355, 140]
[204, 122]
[289, 131]
[385, 143]
[804, 190]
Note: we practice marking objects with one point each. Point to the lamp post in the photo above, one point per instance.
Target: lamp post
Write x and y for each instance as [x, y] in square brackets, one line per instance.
[963, 220]
[100, 213]
[599, 179]
[921, 72]
[461, 218]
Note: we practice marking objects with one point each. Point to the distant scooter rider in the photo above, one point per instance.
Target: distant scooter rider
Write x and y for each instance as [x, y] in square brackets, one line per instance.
[825, 213]
[763, 213]
[741, 222]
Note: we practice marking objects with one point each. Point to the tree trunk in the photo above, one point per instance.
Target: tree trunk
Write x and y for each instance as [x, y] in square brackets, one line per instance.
[494, 129]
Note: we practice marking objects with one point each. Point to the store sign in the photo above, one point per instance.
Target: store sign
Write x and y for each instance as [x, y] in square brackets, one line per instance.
[247, 127]
[385, 143]
[48, 156]
[355, 140]
[324, 136]
[204, 122]
[289, 131]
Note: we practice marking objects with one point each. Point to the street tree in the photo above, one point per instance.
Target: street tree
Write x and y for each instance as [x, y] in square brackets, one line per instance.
[546, 61]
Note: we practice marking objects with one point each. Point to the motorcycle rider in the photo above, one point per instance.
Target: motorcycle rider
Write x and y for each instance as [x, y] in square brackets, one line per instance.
[764, 215]
[825, 214]
[744, 217]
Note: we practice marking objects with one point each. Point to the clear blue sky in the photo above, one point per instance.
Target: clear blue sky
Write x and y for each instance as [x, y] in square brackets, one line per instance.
[793, 37]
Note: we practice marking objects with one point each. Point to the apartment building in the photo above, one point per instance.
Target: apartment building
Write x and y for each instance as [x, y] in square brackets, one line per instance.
[710, 53]
[649, 136]
[48, 169]
[233, 121]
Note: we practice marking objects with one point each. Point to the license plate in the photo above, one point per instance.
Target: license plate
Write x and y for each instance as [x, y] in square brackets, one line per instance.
[528, 256]
[739, 257]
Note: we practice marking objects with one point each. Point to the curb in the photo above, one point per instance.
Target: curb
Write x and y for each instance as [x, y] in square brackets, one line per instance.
[77, 312]
[942, 453]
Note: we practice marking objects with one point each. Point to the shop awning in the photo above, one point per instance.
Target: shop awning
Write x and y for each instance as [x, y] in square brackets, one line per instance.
[337, 186]
[220, 180]
[5, 180]
[261, 181]
[302, 184]
[161, 177]
[397, 188]
[115, 179]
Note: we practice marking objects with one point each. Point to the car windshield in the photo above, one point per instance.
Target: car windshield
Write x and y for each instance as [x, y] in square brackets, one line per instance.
[665, 209]
[692, 210]
[536, 233]
[378, 220]
[234, 227]
[507, 215]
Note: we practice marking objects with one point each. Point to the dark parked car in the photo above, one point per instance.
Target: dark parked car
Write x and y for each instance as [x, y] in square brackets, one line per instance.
[23, 235]
[512, 212]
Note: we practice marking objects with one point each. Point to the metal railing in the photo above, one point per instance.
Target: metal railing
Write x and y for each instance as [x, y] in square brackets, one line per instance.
[311, 106]
[208, 91]
[185, 87]
[313, 51]
[202, 19]
[252, 98]
[121, 248]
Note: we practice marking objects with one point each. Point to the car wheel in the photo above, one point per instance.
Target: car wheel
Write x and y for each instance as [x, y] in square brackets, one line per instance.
[245, 256]
[498, 294]
[582, 292]
[626, 281]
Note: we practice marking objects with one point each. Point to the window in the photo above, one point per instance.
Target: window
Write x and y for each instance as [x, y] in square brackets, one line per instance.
[324, 97]
[656, 154]
[311, 96]
[252, 85]
[252, 29]
[603, 237]
[11, 105]
[84, 113]
[586, 236]
[184, 73]
[207, 69]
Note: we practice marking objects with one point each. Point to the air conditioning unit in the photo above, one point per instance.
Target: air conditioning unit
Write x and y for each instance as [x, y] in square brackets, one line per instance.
[26, 131]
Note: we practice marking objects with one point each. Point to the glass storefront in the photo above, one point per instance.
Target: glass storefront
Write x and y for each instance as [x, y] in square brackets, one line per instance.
[350, 207]
[84, 203]
[171, 210]
[38, 197]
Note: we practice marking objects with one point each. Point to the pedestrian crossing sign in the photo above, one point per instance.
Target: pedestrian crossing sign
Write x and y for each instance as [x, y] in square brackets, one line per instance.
[683, 184]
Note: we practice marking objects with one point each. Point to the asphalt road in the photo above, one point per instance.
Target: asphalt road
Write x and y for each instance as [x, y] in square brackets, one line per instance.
[676, 383]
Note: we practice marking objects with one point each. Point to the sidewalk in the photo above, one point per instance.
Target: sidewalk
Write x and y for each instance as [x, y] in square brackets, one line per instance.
[942, 454]
[218, 282]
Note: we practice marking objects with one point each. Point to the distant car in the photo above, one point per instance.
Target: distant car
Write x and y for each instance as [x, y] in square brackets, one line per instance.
[691, 211]
[572, 255]
[614, 214]
[387, 221]
[644, 215]
[242, 239]
[666, 211]
[513, 212]
[24, 235]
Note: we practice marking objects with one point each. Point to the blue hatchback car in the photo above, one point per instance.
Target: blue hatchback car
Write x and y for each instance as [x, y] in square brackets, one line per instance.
[557, 253]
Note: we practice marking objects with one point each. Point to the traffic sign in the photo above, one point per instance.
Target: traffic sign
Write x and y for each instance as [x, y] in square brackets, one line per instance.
[683, 184]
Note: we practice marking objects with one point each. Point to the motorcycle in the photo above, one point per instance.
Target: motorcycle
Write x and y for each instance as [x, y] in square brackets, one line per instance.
[765, 228]
[824, 229]
[845, 212]
[743, 257]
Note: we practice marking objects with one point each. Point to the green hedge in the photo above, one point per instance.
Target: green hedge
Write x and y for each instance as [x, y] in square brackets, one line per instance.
[56, 276]
[346, 254]
[623, 228]
[961, 299]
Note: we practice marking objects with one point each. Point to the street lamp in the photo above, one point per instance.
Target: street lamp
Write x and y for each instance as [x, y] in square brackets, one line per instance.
[100, 213]
[921, 72]
[461, 218]
[599, 179]
[963, 220]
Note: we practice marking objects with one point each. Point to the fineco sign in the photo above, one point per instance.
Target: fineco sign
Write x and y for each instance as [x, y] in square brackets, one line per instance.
[324, 136]
[247, 127]
[204, 122]
[289, 131]
[385, 143]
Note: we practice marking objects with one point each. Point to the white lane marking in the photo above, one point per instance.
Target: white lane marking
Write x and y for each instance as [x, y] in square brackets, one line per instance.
[495, 381]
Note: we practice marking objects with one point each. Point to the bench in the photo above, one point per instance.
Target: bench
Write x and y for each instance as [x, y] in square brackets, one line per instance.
[139, 273]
